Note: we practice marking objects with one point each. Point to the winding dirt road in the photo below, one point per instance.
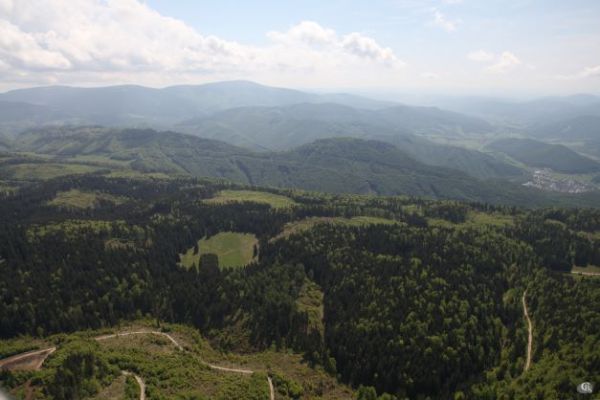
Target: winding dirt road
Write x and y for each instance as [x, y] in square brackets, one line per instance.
[530, 334]
[35, 359]
[585, 273]
[31, 360]
[140, 382]
[180, 347]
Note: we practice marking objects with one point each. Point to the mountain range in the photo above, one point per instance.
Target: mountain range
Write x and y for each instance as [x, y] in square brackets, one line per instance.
[337, 165]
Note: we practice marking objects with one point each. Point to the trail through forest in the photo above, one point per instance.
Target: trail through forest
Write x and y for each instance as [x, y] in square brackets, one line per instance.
[530, 332]
[31, 360]
[36, 358]
[140, 382]
[180, 347]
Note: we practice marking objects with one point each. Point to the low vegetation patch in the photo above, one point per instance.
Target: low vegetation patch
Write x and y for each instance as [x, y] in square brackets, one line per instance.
[274, 200]
[233, 249]
[82, 199]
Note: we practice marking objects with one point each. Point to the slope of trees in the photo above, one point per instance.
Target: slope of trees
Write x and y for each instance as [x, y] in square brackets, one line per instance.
[409, 309]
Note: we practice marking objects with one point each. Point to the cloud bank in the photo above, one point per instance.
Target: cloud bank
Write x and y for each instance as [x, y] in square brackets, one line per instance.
[108, 39]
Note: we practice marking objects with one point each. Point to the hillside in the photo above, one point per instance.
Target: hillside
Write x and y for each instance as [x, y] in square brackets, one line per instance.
[542, 155]
[344, 297]
[526, 114]
[282, 128]
[341, 165]
[585, 127]
[143, 106]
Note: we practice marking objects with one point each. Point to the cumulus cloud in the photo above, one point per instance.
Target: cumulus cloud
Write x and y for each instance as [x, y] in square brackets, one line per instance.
[587, 72]
[481, 56]
[504, 63]
[430, 75]
[309, 33]
[443, 22]
[498, 63]
[104, 37]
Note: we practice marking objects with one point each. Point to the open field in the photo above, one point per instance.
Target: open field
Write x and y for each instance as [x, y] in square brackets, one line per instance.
[475, 219]
[590, 270]
[82, 199]
[274, 200]
[43, 171]
[307, 223]
[234, 249]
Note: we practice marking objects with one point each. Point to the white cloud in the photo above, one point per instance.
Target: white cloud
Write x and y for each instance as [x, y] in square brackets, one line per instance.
[589, 72]
[481, 56]
[498, 63]
[443, 22]
[430, 75]
[504, 63]
[312, 35]
[109, 38]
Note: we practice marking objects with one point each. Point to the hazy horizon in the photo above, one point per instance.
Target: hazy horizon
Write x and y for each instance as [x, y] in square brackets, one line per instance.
[434, 47]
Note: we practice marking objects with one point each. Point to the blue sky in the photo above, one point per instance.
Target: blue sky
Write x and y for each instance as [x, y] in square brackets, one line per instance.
[421, 46]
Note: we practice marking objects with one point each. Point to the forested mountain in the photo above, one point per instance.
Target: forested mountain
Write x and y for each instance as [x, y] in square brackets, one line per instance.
[280, 128]
[142, 106]
[341, 165]
[542, 155]
[397, 295]
[585, 127]
[526, 113]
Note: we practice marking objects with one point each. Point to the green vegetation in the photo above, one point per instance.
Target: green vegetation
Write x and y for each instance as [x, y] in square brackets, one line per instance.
[272, 199]
[406, 297]
[87, 367]
[232, 248]
[542, 155]
[340, 165]
[43, 171]
[308, 223]
[77, 199]
[590, 269]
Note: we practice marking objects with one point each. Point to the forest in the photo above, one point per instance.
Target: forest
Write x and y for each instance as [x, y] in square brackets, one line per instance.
[396, 297]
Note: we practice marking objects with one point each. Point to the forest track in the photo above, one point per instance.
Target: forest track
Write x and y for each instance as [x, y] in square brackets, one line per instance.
[585, 273]
[271, 388]
[31, 360]
[140, 382]
[180, 347]
[530, 332]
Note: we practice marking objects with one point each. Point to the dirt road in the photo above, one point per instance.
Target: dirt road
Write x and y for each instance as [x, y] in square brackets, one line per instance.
[180, 347]
[32, 360]
[530, 332]
[140, 382]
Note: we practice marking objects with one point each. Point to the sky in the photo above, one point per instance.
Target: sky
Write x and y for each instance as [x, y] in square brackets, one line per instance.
[477, 47]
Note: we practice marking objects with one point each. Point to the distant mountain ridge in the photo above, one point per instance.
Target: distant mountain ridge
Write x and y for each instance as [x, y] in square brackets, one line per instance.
[539, 154]
[341, 165]
[144, 106]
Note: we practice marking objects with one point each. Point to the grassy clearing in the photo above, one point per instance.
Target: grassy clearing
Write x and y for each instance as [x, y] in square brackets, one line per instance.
[82, 199]
[307, 223]
[476, 219]
[72, 228]
[274, 200]
[44, 171]
[234, 249]
[310, 300]
[116, 390]
[593, 269]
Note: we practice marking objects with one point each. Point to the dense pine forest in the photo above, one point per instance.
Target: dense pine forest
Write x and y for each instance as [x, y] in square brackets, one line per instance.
[396, 297]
